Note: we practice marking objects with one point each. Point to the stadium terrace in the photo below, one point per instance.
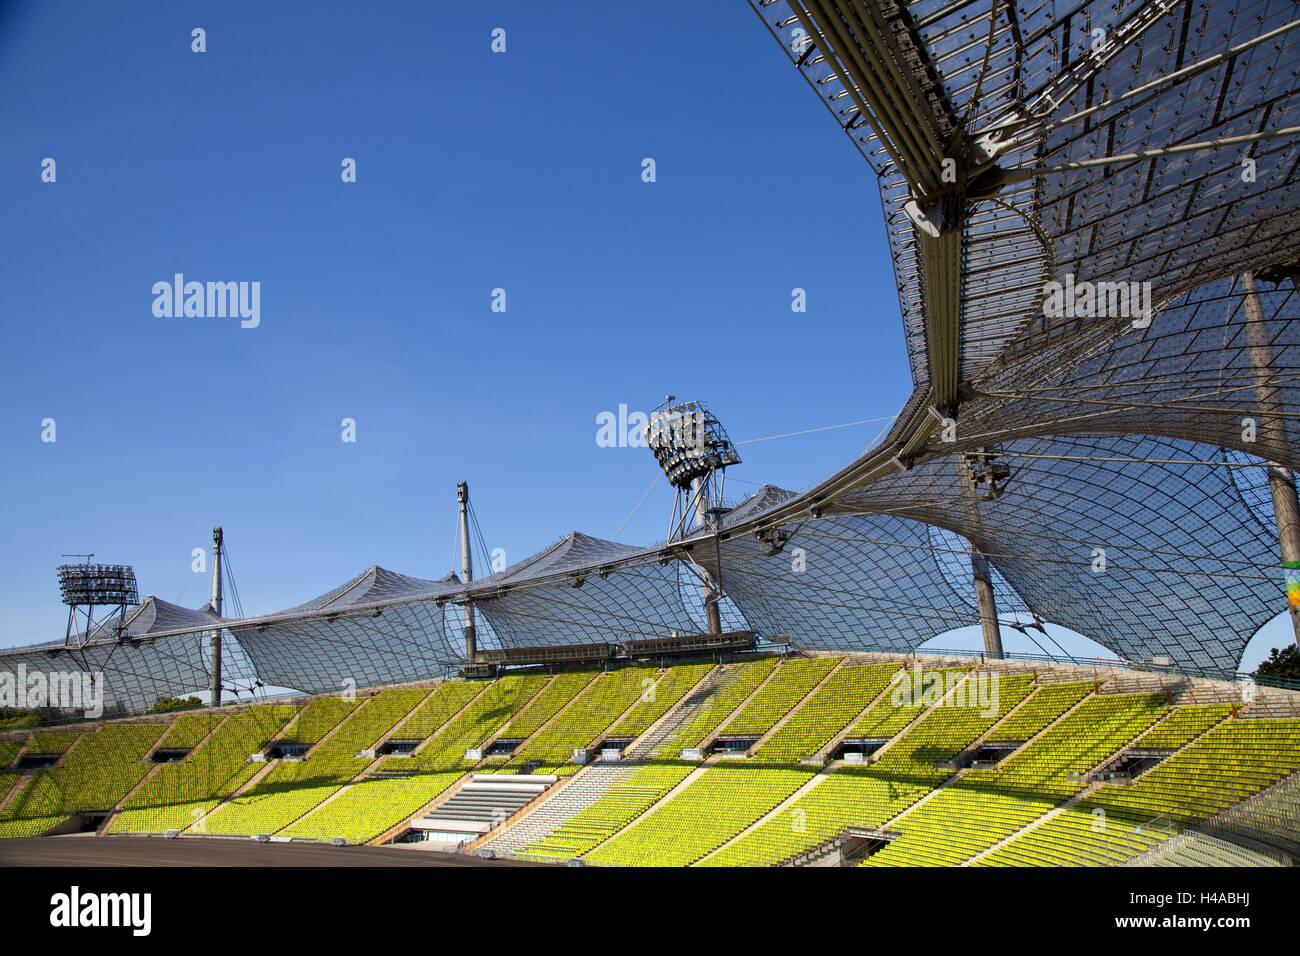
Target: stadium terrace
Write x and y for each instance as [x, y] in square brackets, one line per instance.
[1102, 326]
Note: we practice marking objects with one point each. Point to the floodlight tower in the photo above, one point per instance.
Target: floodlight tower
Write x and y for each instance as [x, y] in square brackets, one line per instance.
[693, 450]
[87, 586]
[218, 542]
[467, 571]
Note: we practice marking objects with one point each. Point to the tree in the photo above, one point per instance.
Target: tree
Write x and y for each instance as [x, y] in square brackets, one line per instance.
[1284, 663]
[19, 719]
[166, 704]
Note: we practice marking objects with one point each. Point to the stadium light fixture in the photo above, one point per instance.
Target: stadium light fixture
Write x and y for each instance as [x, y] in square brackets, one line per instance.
[84, 587]
[97, 584]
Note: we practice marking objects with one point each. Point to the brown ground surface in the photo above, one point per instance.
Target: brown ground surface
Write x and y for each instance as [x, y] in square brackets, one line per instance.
[187, 851]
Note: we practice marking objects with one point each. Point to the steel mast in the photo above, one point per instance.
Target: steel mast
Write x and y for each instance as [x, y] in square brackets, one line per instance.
[217, 541]
[467, 571]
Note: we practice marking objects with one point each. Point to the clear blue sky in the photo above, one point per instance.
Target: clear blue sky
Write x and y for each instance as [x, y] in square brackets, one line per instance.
[475, 171]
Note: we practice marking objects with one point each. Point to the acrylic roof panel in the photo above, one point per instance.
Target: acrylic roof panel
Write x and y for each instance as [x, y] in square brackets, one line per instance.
[1130, 540]
[404, 641]
[1001, 88]
[1188, 375]
[862, 582]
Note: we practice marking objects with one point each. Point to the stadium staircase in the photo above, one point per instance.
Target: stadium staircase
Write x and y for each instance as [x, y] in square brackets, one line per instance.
[395, 731]
[252, 784]
[988, 734]
[583, 790]
[480, 805]
[658, 805]
[1272, 814]
[1076, 798]
[1091, 790]
[144, 781]
[660, 733]
[504, 730]
[555, 720]
[154, 770]
[842, 850]
[820, 854]
[23, 781]
[1199, 849]
[814, 856]
[1028, 702]
[449, 720]
[200, 824]
[920, 715]
[711, 737]
[1271, 706]
[1044, 820]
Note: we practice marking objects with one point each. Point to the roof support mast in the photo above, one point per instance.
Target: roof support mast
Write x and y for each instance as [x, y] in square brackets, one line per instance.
[988, 606]
[1281, 480]
[976, 469]
[712, 593]
[217, 541]
[467, 571]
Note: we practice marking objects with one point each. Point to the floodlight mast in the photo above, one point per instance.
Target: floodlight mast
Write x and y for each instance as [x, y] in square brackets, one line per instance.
[218, 543]
[693, 451]
[467, 571]
[71, 629]
[88, 586]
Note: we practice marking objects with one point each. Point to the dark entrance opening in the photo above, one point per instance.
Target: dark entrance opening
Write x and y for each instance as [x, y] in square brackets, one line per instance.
[862, 747]
[986, 755]
[732, 745]
[37, 761]
[1133, 764]
[287, 750]
[397, 747]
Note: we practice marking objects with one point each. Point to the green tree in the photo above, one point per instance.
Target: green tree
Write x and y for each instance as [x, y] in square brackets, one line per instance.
[18, 719]
[167, 704]
[1284, 663]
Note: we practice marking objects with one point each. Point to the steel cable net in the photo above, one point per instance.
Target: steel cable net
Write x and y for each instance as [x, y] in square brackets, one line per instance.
[138, 658]
[849, 582]
[1203, 370]
[1176, 220]
[583, 605]
[379, 628]
[1051, 79]
[864, 582]
[1103, 535]
[952, 552]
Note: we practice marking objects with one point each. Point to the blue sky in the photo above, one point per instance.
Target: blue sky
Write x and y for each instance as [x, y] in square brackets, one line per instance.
[475, 171]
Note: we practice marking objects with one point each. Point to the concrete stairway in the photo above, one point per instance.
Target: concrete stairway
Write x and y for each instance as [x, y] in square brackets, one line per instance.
[653, 740]
[483, 803]
[581, 793]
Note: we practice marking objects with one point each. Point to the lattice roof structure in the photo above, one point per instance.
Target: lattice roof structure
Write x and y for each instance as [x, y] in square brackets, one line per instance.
[1145, 150]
